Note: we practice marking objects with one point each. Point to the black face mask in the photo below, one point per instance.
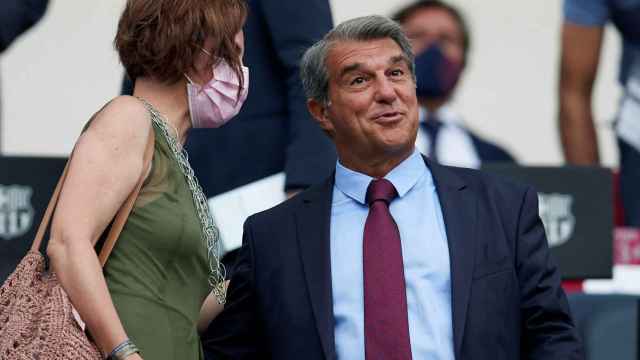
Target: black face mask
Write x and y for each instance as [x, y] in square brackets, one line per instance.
[436, 75]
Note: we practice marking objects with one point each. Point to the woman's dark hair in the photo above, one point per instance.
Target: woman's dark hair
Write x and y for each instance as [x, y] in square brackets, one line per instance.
[161, 38]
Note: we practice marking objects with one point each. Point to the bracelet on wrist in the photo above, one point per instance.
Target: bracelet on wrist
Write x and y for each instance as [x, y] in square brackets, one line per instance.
[123, 350]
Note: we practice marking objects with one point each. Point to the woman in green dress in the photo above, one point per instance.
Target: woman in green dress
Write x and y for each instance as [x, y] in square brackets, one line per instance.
[163, 279]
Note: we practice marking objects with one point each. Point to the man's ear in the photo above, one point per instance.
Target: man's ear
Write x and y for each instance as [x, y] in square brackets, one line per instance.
[319, 112]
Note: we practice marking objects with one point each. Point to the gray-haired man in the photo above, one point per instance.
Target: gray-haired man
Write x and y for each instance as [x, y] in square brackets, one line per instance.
[391, 257]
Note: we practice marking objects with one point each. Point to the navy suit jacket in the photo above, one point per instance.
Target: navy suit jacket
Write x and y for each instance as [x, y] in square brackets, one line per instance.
[273, 132]
[16, 16]
[507, 302]
[489, 152]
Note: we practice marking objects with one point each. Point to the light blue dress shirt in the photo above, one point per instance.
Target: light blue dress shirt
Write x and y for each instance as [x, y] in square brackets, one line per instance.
[425, 253]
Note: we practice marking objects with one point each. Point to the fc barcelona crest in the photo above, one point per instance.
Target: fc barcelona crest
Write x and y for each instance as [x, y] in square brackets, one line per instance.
[557, 216]
[16, 212]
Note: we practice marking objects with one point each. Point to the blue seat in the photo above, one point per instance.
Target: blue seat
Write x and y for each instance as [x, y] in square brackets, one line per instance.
[608, 325]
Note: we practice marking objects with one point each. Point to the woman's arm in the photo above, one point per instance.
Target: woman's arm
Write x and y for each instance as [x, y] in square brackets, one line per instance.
[210, 309]
[106, 164]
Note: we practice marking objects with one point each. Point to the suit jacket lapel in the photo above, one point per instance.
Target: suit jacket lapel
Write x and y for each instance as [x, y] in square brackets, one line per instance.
[313, 226]
[459, 207]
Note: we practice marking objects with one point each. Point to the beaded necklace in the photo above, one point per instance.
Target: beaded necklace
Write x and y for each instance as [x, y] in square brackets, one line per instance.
[210, 234]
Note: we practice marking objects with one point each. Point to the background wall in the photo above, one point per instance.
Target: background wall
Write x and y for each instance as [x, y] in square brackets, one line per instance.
[64, 69]
[57, 75]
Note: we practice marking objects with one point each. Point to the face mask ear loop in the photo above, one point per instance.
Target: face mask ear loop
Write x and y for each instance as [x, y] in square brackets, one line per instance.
[206, 51]
[189, 79]
[187, 76]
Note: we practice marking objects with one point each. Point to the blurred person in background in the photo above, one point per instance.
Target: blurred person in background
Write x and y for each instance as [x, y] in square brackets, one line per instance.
[274, 132]
[582, 34]
[16, 17]
[441, 40]
[163, 281]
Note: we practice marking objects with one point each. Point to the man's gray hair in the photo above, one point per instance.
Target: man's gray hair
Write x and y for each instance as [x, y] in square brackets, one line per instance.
[313, 67]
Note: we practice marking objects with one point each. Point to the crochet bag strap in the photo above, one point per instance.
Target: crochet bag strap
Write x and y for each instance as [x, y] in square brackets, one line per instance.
[121, 216]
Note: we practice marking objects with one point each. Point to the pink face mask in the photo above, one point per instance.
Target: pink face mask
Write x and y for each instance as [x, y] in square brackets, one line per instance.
[216, 102]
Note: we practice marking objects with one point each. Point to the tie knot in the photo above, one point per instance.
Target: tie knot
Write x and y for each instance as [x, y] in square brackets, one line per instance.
[380, 189]
[432, 125]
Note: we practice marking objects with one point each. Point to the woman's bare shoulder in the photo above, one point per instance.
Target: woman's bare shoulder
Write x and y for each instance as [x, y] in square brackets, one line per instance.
[124, 114]
[123, 122]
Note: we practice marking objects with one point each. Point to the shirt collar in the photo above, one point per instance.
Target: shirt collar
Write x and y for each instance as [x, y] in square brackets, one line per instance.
[403, 177]
[444, 113]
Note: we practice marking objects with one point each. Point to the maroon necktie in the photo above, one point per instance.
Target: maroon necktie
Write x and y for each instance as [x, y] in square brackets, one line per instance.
[386, 326]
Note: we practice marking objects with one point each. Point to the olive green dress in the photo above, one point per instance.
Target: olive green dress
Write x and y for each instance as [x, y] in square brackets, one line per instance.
[157, 273]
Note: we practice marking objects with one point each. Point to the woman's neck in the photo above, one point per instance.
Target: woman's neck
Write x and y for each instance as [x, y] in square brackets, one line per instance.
[170, 100]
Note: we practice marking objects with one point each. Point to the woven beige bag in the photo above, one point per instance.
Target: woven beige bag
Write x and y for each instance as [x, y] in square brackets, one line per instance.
[37, 319]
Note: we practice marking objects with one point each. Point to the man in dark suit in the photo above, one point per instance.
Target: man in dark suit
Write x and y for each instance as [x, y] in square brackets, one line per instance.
[441, 40]
[393, 256]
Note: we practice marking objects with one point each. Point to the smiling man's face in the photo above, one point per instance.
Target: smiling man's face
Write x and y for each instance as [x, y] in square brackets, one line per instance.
[373, 111]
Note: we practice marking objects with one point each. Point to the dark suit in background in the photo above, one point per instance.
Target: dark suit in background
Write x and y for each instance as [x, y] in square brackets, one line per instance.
[16, 17]
[507, 302]
[274, 131]
[489, 152]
